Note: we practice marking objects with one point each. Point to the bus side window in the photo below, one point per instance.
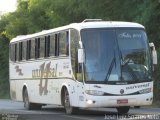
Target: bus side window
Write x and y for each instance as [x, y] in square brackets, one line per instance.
[67, 43]
[76, 68]
[37, 47]
[28, 49]
[24, 51]
[57, 44]
[51, 43]
[17, 52]
[20, 51]
[32, 49]
[42, 47]
[47, 47]
[12, 52]
[63, 43]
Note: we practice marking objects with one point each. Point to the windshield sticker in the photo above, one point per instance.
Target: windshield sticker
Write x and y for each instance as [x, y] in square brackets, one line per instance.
[128, 35]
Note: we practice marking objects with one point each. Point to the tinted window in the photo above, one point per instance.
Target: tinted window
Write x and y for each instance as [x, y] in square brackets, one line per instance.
[37, 47]
[57, 44]
[63, 43]
[24, 50]
[17, 52]
[12, 52]
[47, 46]
[32, 49]
[42, 47]
[20, 51]
[74, 39]
[100, 53]
[28, 49]
[52, 45]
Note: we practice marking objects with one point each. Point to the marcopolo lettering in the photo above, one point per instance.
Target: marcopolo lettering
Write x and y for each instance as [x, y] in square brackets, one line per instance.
[137, 86]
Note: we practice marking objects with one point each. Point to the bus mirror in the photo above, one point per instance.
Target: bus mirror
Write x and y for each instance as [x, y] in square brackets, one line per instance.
[154, 53]
[81, 55]
[80, 44]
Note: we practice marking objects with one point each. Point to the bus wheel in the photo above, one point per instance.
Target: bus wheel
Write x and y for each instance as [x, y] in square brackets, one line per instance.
[123, 110]
[27, 104]
[69, 109]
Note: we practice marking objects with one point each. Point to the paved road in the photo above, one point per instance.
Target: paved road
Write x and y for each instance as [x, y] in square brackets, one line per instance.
[11, 110]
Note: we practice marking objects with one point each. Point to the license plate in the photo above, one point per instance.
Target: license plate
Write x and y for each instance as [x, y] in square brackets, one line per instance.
[122, 101]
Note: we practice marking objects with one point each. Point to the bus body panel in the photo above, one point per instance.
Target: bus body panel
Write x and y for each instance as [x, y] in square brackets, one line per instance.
[42, 79]
[107, 101]
[113, 95]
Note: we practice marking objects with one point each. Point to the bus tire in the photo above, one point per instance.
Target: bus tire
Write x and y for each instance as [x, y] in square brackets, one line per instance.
[68, 108]
[36, 106]
[27, 104]
[123, 110]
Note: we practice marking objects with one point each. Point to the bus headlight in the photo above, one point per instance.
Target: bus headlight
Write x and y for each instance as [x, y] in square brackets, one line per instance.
[147, 90]
[94, 92]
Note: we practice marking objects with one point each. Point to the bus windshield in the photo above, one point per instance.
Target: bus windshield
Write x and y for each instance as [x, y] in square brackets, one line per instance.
[116, 55]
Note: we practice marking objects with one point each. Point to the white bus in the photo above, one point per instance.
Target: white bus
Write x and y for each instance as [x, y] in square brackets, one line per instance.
[82, 65]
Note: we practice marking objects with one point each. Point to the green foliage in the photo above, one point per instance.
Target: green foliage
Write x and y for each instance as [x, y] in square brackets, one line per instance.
[4, 77]
[156, 78]
[35, 15]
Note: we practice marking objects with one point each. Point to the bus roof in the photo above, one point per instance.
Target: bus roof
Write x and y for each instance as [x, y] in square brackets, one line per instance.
[79, 26]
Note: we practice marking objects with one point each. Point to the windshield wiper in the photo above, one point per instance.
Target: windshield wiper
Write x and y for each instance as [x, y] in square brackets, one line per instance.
[110, 68]
[121, 63]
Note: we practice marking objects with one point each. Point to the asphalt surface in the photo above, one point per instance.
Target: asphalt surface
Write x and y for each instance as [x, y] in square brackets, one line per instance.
[11, 110]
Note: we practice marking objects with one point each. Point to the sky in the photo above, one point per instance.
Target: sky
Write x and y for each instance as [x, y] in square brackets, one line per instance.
[7, 5]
